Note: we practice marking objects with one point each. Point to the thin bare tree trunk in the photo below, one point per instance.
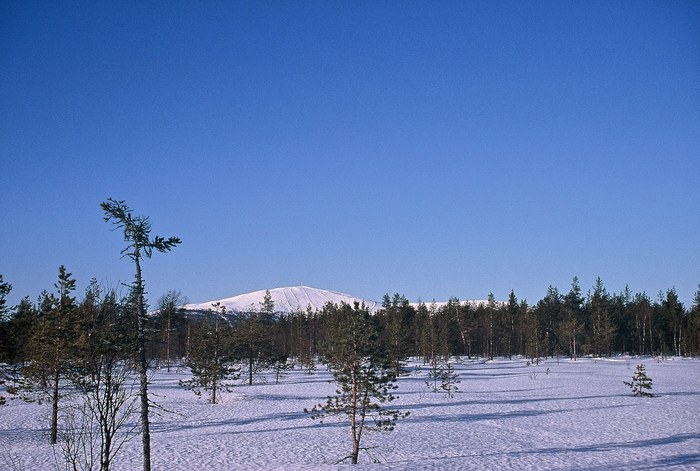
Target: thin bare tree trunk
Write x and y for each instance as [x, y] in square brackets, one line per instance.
[143, 369]
[54, 407]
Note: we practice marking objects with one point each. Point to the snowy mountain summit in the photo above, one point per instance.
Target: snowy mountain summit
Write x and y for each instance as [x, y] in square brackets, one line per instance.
[287, 300]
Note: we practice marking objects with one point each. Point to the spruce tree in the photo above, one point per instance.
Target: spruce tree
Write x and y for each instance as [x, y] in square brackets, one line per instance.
[641, 383]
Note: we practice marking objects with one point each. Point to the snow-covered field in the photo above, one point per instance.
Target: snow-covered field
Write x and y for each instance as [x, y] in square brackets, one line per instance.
[506, 415]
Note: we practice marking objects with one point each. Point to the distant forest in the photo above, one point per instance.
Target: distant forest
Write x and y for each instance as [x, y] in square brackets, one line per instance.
[559, 325]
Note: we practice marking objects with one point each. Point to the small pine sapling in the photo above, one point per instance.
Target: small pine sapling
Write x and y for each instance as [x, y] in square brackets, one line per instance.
[641, 383]
[444, 372]
[449, 381]
[434, 373]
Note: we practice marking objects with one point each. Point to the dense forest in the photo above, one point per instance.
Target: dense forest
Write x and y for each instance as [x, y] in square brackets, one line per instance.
[560, 324]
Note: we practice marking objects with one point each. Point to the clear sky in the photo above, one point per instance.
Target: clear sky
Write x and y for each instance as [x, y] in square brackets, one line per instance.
[434, 149]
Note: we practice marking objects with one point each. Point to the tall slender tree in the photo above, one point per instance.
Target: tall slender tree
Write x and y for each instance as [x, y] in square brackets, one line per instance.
[674, 314]
[571, 325]
[694, 325]
[598, 305]
[171, 319]
[363, 374]
[5, 289]
[51, 345]
[254, 335]
[210, 359]
[395, 318]
[508, 341]
[140, 245]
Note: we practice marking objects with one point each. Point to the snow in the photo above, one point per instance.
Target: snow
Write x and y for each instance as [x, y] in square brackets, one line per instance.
[299, 298]
[506, 415]
[289, 299]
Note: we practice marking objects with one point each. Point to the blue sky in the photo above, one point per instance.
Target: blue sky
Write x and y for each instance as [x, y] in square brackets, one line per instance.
[434, 149]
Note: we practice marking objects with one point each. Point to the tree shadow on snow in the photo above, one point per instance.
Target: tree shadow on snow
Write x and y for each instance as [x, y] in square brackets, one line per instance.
[603, 447]
[502, 401]
[496, 416]
[270, 423]
[685, 459]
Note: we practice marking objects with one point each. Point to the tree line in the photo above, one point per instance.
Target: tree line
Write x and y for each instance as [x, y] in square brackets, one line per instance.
[570, 324]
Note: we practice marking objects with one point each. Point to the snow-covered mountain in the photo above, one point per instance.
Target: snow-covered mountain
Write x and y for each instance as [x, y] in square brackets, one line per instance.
[290, 299]
[299, 298]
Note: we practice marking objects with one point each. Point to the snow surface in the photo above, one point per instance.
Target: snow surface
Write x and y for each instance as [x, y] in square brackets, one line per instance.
[561, 415]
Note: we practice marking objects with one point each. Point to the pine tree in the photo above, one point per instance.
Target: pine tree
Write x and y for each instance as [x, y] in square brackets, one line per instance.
[570, 327]
[19, 330]
[5, 289]
[254, 336]
[104, 418]
[302, 342]
[210, 358]
[508, 337]
[641, 383]
[533, 336]
[442, 372]
[281, 366]
[363, 374]
[171, 319]
[603, 330]
[137, 231]
[674, 312]
[51, 345]
[694, 325]
[396, 316]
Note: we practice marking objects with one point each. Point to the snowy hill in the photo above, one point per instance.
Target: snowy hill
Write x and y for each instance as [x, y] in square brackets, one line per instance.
[299, 298]
[290, 299]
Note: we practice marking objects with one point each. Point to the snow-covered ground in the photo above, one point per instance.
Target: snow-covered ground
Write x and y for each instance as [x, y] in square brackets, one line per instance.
[506, 415]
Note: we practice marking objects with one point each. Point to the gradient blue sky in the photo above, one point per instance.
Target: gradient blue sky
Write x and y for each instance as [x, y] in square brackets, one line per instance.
[434, 149]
